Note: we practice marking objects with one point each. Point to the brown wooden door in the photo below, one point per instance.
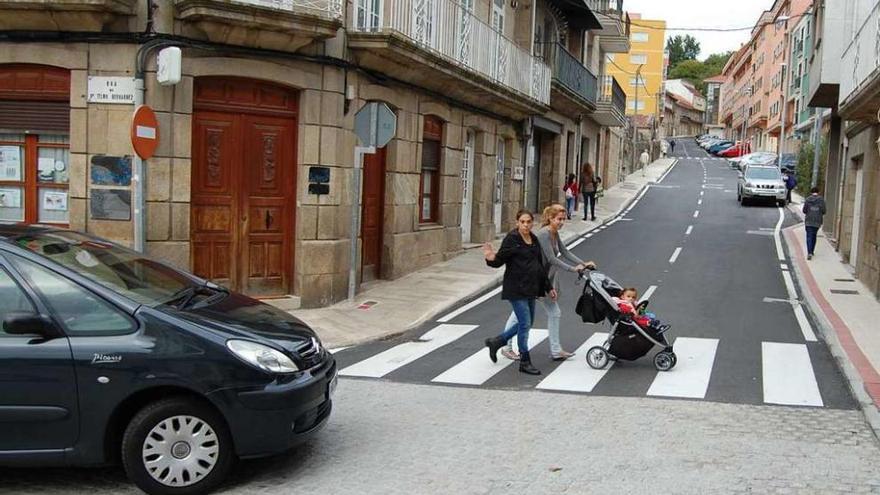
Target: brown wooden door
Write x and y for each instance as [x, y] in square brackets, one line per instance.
[266, 202]
[373, 215]
[243, 193]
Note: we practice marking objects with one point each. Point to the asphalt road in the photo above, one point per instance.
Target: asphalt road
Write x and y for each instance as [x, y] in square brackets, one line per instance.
[713, 263]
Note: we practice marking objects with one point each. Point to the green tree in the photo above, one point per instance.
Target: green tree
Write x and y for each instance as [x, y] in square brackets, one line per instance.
[696, 72]
[682, 48]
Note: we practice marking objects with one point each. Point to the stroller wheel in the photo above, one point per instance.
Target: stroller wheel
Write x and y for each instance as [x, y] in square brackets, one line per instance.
[664, 361]
[597, 357]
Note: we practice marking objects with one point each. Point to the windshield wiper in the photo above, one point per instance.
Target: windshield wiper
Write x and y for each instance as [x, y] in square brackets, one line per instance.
[186, 295]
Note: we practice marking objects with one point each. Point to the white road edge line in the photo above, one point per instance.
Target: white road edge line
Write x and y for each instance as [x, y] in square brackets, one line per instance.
[803, 322]
[667, 171]
[675, 255]
[576, 243]
[777, 239]
[470, 305]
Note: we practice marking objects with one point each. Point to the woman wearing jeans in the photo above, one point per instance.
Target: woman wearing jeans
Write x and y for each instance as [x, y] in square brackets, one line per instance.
[588, 187]
[560, 258]
[525, 279]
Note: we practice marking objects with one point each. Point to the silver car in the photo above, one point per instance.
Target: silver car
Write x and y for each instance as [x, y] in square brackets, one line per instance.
[761, 182]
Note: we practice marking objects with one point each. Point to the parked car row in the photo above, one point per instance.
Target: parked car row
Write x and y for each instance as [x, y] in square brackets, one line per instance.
[107, 356]
[723, 147]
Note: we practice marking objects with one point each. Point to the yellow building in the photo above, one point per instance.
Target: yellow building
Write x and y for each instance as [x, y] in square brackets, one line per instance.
[647, 43]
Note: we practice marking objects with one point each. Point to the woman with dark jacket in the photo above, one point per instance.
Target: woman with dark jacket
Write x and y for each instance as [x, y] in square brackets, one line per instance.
[525, 280]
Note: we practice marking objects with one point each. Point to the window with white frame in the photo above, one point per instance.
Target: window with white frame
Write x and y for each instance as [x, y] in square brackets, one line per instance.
[638, 59]
[632, 105]
[640, 37]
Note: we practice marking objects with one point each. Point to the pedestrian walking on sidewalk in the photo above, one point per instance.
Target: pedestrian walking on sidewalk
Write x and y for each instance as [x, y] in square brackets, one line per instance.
[571, 193]
[790, 183]
[525, 280]
[560, 258]
[645, 159]
[814, 211]
[588, 187]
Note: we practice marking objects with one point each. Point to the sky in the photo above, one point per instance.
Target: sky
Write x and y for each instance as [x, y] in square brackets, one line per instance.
[704, 14]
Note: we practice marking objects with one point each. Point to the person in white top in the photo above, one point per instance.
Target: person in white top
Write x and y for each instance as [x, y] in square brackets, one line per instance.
[645, 159]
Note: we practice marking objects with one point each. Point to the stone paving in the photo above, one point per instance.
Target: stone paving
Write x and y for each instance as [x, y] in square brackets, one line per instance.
[391, 438]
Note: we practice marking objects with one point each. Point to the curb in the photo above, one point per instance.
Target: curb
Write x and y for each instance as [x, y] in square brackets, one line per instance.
[496, 281]
[830, 336]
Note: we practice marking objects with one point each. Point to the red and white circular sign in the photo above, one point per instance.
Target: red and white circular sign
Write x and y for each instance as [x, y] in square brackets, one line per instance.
[144, 132]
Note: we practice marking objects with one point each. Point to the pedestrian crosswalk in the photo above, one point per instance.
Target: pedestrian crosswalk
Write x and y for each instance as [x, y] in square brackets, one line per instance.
[787, 372]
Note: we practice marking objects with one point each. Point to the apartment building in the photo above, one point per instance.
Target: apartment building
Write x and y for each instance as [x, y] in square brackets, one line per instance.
[647, 58]
[494, 102]
[799, 115]
[712, 116]
[855, 180]
[736, 93]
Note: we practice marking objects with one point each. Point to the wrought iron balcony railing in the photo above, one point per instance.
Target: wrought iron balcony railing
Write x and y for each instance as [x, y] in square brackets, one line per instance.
[568, 71]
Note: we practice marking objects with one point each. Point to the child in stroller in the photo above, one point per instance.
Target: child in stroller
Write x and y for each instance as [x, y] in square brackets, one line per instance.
[633, 334]
[627, 304]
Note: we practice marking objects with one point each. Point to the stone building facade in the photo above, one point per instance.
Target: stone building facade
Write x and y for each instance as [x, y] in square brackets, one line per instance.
[267, 98]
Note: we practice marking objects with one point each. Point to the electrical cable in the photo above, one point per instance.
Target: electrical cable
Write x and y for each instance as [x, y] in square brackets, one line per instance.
[713, 30]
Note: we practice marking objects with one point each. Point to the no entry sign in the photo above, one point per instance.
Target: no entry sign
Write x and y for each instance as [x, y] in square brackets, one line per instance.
[144, 132]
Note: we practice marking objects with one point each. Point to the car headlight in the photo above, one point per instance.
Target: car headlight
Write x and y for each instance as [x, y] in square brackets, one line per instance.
[262, 356]
[749, 185]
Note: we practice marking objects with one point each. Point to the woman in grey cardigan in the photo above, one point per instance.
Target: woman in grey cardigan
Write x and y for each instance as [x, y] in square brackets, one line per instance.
[559, 258]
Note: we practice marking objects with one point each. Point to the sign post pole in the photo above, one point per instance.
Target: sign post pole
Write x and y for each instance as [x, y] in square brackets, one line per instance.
[374, 124]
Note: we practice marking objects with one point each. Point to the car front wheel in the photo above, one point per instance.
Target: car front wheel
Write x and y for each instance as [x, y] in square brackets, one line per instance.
[177, 446]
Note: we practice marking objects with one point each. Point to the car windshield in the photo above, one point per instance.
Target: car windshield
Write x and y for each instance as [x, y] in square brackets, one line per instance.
[763, 173]
[122, 270]
[761, 158]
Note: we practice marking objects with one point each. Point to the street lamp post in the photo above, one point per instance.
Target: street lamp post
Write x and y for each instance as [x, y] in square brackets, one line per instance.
[635, 113]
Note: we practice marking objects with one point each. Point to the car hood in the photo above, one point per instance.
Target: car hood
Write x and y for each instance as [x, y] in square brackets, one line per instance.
[766, 182]
[239, 316]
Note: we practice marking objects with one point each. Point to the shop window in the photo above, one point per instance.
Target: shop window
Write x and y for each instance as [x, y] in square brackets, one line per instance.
[429, 183]
[34, 176]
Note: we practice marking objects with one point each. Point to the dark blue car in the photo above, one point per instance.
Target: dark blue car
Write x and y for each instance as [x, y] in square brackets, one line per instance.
[108, 356]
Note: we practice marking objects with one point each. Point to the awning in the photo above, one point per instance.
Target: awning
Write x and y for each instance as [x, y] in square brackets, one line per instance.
[578, 14]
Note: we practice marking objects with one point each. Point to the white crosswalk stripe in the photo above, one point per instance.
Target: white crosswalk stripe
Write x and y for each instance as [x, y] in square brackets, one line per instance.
[690, 376]
[385, 362]
[575, 375]
[478, 368]
[788, 375]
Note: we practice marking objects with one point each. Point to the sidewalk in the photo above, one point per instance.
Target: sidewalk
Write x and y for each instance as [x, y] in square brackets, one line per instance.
[846, 312]
[386, 308]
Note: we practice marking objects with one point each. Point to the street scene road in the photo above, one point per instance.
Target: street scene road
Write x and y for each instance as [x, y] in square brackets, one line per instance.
[755, 404]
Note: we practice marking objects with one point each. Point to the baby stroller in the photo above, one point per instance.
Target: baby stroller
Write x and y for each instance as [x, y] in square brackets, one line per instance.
[627, 340]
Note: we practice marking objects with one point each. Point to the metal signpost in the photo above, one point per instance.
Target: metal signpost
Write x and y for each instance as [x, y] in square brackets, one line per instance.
[374, 125]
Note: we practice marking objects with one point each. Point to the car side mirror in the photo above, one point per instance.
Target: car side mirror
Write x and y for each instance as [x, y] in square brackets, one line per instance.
[24, 323]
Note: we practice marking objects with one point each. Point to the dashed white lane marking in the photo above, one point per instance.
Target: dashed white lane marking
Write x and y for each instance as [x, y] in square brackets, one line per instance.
[472, 304]
[699, 202]
[338, 349]
[696, 213]
[478, 368]
[788, 375]
[675, 255]
[400, 355]
[702, 193]
[777, 238]
[588, 235]
[690, 376]
[648, 293]
[689, 230]
[575, 375]
[576, 243]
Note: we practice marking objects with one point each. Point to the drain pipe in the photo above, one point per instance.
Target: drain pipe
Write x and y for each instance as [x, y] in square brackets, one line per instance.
[138, 166]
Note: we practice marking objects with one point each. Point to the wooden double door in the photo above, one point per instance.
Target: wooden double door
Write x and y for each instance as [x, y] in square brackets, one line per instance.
[243, 186]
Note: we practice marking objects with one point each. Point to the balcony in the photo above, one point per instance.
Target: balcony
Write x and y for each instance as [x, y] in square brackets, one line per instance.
[611, 103]
[63, 15]
[286, 25]
[860, 80]
[442, 46]
[614, 35]
[574, 86]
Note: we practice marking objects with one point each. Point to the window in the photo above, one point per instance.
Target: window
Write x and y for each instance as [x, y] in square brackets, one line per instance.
[80, 311]
[631, 105]
[640, 37]
[33, 178]
[12, 298]
[638, 59]
[636, 82]
[429, 183]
